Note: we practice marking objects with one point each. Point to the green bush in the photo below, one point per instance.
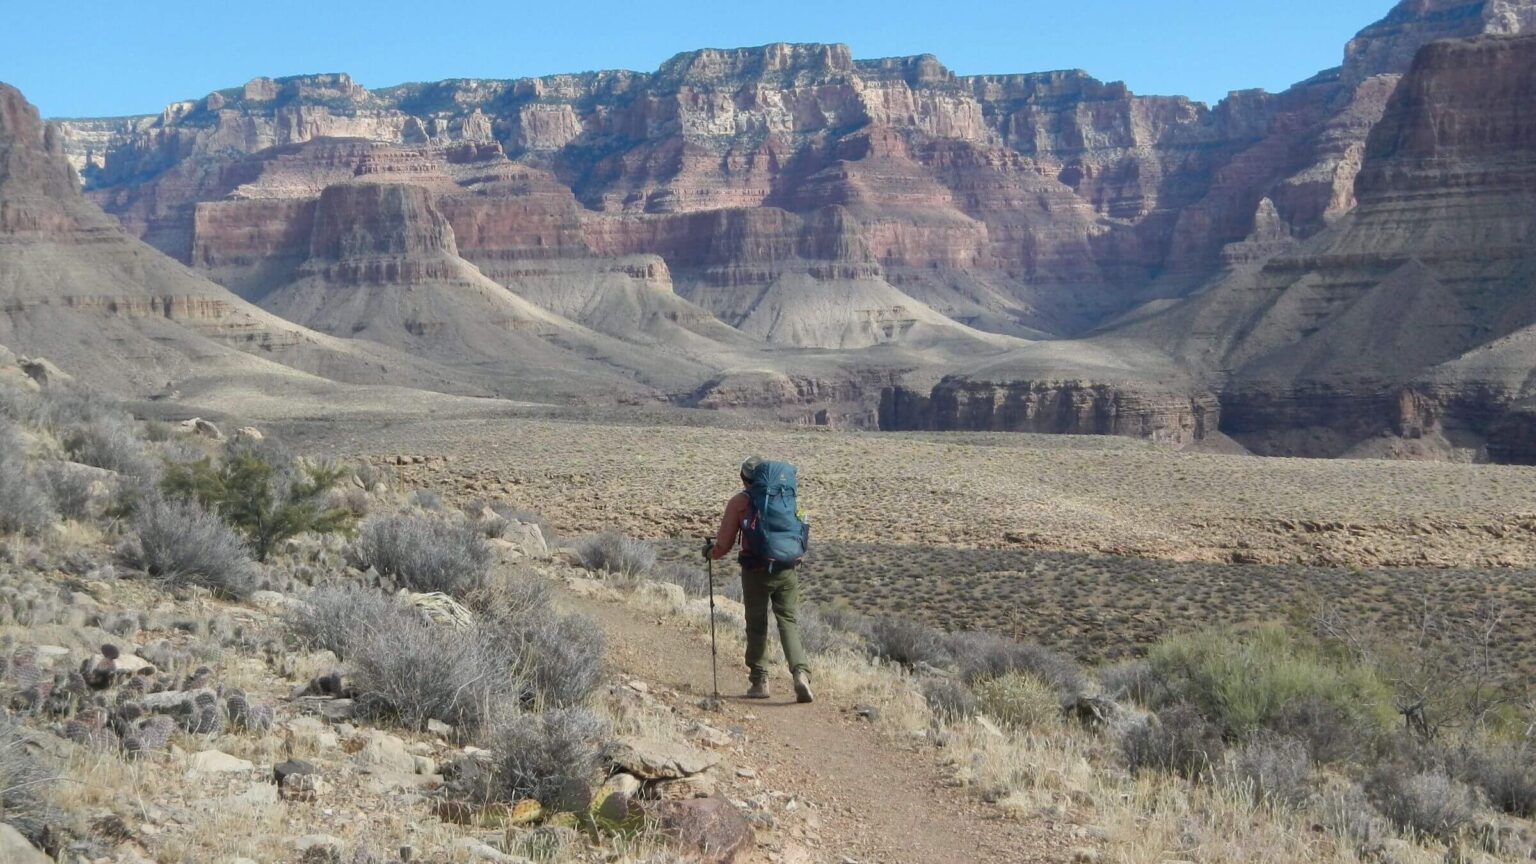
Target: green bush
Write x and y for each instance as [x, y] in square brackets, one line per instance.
[1020, 700]
[263, 493]
[1245, 682]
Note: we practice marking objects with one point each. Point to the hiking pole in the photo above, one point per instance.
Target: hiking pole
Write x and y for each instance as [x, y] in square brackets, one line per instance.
[714, 660]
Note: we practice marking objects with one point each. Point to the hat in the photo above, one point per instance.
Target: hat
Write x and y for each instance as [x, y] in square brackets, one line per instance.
[750, 466]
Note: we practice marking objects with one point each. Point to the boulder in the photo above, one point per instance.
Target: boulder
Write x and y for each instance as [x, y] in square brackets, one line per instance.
[43, 372]
[382, 752]
[201, 427]
[651, 759]
[709, 830]
[219, 762]
[14, 848]
[527, 537]
[616, 805]
[249, 433]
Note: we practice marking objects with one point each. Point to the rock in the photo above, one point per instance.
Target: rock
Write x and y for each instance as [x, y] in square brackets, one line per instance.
[307, 787]
[424, 765]
[218, 762]
[249, 433]
[667, 594]
[707, 734]
[202, 428]
[650, 759]
[14, 848]
[709, 829]
[440, 729]
[131, 664]
[485, 852]
[310, 731]
[616, 804]
[318, 849]
[292, 768]
[698, 786]
[272, 601]
[43, 372]
[383, 752]
[527, 537]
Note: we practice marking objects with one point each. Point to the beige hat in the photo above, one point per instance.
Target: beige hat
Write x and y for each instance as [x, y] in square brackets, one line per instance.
[749, 466]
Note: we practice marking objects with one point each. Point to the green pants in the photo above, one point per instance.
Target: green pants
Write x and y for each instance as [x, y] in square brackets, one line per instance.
[782, 591]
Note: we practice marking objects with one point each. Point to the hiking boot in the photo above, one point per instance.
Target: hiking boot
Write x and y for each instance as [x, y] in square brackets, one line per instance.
[803, 687]
[758, 690]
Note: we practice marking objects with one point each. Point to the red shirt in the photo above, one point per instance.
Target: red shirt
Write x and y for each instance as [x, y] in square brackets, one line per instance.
[736, 511]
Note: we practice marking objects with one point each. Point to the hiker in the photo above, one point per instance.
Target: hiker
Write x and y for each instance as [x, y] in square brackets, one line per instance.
[764, 516]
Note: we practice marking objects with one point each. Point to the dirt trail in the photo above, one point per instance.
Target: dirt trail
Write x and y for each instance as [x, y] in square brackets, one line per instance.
[876, 800]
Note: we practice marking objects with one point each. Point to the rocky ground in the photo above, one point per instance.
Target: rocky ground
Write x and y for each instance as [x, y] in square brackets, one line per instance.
[993, 491]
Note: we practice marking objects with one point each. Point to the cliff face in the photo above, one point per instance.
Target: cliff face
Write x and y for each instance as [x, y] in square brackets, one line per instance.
[1025, 202]
[110, 310]
[1054, 407]
[1411, 317]
[1330, 259]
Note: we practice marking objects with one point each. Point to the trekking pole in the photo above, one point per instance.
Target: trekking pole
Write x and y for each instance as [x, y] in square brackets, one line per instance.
[714, 664]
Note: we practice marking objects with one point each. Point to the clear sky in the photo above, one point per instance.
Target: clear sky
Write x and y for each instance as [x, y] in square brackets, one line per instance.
[94, 58]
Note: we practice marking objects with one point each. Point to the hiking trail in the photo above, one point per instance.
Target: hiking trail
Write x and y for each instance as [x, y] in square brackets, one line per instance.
[875, 799]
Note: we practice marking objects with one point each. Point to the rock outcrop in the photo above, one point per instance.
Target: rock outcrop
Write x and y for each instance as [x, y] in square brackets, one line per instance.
[116, 313]
[1411, 317]
[1343, 262]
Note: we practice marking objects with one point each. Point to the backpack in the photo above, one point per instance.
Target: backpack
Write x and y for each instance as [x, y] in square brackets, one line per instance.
[777, 532]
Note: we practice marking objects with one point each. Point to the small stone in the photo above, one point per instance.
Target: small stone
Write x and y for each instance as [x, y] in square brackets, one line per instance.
[304, 787]
[283, 770]
[650, 759]
[639, 687]
[709, 829]
[218, 762]
[746, 772]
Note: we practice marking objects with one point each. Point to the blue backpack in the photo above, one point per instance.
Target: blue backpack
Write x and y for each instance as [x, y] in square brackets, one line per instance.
[778, 534]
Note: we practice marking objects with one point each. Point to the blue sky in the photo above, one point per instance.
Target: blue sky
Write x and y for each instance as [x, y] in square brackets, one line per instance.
[90, 58]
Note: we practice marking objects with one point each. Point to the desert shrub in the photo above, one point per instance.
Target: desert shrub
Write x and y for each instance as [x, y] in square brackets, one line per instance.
[331, 616]
[1274, 769]
[505, 516]
[949, 698]
[110, 441]
[69, 489]
[24, 502]
[908, 642]
[613, 553]
[1178, 739]
[1244, 682]
[1331, 732]
[423, 552]
[693, 580]
[816, 635]
[544, 755]
[1507, 776]
[1020, 700]
[181, 543]
[410, 671]
[24, 785]
[845, 619]
[562, 655]
[425, 499]
[1348, 813]
[264, 492]
[1425, 804]
[1133, 680]
[565, 654]
[981, 655]
[353, 500]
